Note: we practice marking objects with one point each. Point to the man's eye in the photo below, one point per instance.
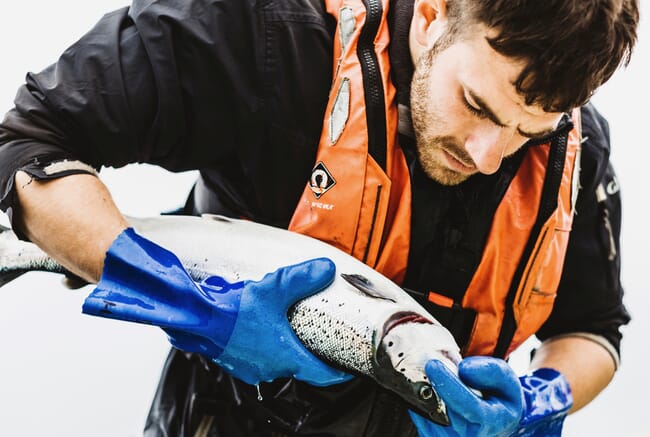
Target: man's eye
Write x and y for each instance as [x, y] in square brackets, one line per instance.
[476, 111]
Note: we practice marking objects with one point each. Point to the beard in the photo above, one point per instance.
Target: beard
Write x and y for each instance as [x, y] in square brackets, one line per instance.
[431, 156]
[432, 147]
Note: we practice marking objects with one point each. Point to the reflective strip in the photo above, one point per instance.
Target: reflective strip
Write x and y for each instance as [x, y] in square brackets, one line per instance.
[347, 25]
[340, 111]
[63, 166]
[575, 179]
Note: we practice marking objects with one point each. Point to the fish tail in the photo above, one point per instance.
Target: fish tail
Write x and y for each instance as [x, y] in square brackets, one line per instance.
[7, 274]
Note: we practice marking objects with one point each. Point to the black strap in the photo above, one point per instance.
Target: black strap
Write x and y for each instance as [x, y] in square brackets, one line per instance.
[372, 83]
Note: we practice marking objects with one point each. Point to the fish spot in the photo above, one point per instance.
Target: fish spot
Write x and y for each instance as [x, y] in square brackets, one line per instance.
[401, 354]
[390, 344]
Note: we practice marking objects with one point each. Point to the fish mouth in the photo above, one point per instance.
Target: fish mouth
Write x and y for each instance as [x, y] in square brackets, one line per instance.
[401, 318]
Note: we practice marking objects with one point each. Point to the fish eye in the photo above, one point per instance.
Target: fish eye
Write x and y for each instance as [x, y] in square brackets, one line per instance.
[426, 392]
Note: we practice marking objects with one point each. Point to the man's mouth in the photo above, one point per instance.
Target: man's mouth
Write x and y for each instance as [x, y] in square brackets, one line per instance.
[456, 164]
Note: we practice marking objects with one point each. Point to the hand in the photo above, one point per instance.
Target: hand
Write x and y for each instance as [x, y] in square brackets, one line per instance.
[242, 326]
[547, 402]
[497, 413]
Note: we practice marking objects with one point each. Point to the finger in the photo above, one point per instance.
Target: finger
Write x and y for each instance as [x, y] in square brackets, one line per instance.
[318, 373]
[308, 366]
[494, 377]
[452, 391]
[301, 280]
[188, 342]
[73, 282]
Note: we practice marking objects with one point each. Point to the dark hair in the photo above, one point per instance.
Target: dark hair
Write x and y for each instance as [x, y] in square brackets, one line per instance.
[570, 47]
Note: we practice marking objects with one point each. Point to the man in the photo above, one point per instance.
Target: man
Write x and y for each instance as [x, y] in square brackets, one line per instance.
[240, 91]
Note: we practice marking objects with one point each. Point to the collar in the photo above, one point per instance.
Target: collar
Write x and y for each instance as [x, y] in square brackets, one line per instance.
[400, 14]
[404, 123]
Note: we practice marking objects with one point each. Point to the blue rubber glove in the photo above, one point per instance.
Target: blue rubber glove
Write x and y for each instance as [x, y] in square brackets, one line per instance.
[497, 413]
[548, 400]
[242, 326]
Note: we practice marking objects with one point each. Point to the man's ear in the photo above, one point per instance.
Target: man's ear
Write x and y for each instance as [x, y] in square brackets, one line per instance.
[429, 22]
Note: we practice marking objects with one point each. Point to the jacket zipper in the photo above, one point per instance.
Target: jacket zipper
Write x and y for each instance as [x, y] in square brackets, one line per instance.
[372, 84]
[373, 89]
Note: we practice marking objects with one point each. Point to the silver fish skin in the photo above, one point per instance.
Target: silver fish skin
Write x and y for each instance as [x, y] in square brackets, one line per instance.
[362, 323]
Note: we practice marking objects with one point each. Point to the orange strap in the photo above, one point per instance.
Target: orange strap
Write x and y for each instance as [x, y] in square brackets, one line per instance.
[350, 201]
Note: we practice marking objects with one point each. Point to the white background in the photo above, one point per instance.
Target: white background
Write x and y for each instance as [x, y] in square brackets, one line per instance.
[65, 374]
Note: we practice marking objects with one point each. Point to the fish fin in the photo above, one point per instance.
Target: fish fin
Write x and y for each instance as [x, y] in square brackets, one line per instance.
[73, 282]
[216, 217]
[9, 275]
[364, 285]
[6, 277]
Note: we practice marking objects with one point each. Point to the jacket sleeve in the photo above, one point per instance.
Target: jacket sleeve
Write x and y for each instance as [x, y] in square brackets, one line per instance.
[167, 82]
[590, 295]
[82, 111]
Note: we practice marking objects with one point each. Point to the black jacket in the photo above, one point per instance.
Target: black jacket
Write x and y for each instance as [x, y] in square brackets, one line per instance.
[237, 89]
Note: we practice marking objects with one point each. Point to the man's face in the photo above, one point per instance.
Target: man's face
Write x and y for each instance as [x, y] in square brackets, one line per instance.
[466, 113]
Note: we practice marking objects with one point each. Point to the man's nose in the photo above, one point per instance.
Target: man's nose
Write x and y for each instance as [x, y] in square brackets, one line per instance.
[487, 146]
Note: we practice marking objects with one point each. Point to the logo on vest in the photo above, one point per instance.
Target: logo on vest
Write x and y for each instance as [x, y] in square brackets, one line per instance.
[321, 180]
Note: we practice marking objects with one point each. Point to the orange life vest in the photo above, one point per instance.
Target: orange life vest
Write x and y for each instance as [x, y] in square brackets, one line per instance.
[515, 284]
[358, 198]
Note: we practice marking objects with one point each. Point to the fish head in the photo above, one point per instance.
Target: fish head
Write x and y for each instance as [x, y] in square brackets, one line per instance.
[408, 341]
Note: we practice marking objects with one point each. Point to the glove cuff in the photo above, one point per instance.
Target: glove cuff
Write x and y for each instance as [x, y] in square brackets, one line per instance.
[547, 401]
[143, 282]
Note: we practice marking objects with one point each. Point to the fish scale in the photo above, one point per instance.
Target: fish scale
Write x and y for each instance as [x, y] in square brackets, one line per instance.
[343, 341]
